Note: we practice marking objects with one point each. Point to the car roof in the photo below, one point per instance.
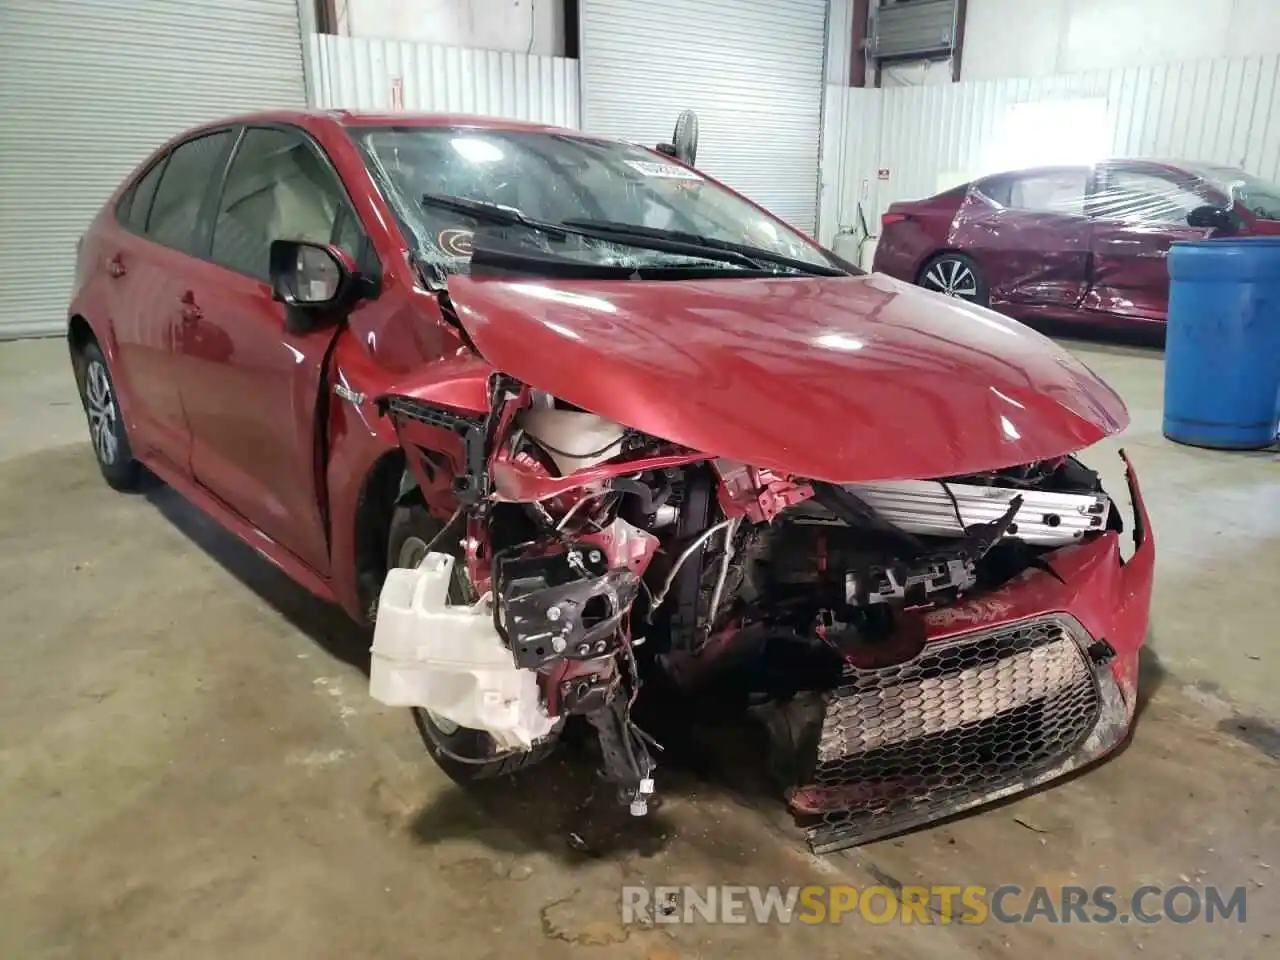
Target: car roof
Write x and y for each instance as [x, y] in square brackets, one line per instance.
[1185, 166]
[361, 118]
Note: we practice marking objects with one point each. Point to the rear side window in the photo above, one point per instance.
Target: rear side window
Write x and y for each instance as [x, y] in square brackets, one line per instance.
[137, 205]
[175, 212]
[279, 187]
[1050, 191]
[1061, 191]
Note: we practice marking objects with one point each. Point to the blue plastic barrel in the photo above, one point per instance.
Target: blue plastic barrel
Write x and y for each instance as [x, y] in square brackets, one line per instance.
[1222, 348]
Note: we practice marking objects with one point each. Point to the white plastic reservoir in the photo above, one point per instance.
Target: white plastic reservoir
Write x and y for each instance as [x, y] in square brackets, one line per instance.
[450, 659]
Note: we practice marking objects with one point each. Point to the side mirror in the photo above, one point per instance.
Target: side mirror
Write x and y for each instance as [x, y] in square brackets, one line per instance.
[310, 276]
[1211, 218]
[684, 139]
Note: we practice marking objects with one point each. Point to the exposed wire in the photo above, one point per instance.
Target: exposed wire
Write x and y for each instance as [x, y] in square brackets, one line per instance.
[680, 561]
[568, 515]
[725, 563]
[580, 456]
[955, 504]
[443, 530]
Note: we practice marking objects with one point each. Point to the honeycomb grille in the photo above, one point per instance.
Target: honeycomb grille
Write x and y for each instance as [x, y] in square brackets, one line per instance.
[964, 721]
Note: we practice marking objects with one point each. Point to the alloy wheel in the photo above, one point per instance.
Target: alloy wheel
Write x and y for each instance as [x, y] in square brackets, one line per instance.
[953, 277]
[100, 404]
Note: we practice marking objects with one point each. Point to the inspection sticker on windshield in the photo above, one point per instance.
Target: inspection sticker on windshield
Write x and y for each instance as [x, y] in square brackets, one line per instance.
[671, 171]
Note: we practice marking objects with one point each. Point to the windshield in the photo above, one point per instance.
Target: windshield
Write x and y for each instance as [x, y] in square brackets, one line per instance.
[558, 178]
[1260, 197]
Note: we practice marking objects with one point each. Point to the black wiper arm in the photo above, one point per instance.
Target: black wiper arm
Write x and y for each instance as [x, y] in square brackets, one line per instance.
[662, 243]
[491, 213]
[620, 229]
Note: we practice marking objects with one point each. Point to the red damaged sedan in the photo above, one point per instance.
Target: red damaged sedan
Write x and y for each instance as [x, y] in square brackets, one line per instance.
[564, 418]
[1071, 243]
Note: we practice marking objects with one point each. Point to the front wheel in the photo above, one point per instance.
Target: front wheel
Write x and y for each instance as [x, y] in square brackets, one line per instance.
[955, 275]
[461, 752]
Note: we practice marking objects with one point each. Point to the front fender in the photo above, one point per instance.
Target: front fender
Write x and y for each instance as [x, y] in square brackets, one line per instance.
[359, 438]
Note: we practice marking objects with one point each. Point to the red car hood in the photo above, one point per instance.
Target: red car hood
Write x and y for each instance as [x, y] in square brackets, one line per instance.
[841, 379]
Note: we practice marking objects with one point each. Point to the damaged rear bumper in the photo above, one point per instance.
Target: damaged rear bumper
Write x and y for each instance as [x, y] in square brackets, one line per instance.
[1015, 688]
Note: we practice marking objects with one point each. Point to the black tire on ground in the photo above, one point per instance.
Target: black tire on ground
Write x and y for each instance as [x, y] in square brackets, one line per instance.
[464, 754]
[955, 275]
[107, 434]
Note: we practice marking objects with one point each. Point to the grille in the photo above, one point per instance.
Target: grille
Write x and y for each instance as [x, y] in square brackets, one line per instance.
[961, 723]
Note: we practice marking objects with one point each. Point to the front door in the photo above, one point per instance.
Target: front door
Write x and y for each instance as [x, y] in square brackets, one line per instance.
[1137, 212]
[250, 387]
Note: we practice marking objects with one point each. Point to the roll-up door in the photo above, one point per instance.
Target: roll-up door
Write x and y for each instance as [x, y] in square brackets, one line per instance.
[87, 89]
[752, 69]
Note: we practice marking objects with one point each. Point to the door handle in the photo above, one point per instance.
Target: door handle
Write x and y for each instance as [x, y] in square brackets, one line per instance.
[190, 311]
[116, 268]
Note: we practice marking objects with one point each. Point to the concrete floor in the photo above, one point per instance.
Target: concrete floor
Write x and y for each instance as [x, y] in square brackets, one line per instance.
[190, 766]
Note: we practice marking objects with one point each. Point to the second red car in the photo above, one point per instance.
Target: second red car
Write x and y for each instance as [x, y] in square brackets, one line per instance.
[1071, 242]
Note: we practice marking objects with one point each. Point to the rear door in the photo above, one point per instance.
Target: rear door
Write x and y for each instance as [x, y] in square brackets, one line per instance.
[145, 262]
[1029, 235]
[1137, 211]
[250, 387]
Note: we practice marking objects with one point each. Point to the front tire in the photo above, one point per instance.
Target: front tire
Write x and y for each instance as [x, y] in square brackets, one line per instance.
[464, 754]
[955, 275]
[106, 424]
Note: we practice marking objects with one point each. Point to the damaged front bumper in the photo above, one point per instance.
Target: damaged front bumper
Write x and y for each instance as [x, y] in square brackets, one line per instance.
[1013, 689]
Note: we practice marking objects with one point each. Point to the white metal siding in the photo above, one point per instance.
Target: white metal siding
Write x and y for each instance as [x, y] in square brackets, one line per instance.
[87, 89]
[752, 69]
[387, 75]
[849, 171]
[1224, 111]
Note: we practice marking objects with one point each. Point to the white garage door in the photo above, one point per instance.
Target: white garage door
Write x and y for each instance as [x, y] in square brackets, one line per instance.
[752, 69]
[87, 89]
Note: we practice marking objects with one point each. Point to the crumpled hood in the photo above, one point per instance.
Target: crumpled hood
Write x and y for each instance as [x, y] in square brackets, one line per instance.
[842, 379]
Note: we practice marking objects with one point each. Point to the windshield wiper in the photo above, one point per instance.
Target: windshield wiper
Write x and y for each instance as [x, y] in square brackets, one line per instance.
[619, 229]
[658, 240]
[490, 212]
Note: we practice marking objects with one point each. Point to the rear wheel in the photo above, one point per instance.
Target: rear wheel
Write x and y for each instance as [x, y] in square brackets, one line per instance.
[955, 275]
[106, 425]
[464, 754]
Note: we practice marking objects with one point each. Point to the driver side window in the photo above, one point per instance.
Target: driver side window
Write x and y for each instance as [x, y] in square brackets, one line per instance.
[278, 187]
[1143, 197]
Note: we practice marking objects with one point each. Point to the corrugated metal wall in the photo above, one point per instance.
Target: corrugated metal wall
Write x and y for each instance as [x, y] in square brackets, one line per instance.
[394, 75]
[1224, 110]
[88, 88]
[850, 156]
[751, 69]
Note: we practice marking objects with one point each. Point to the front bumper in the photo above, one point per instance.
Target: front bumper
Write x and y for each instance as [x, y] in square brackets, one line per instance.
[1013, 689]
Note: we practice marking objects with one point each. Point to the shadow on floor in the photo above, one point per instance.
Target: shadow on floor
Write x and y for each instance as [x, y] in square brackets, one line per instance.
[559, 807]
[1139, 340]
[1254, 731]
[1151, 674]
[325, 623]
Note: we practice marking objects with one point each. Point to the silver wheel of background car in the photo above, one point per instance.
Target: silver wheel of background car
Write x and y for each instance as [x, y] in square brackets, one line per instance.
[103, 414]
[953, 277]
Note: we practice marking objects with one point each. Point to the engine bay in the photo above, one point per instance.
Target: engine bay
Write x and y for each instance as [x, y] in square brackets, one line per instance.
[594, 557]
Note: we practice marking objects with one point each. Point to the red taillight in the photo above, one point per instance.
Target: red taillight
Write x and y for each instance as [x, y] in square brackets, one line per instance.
[890, 218]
